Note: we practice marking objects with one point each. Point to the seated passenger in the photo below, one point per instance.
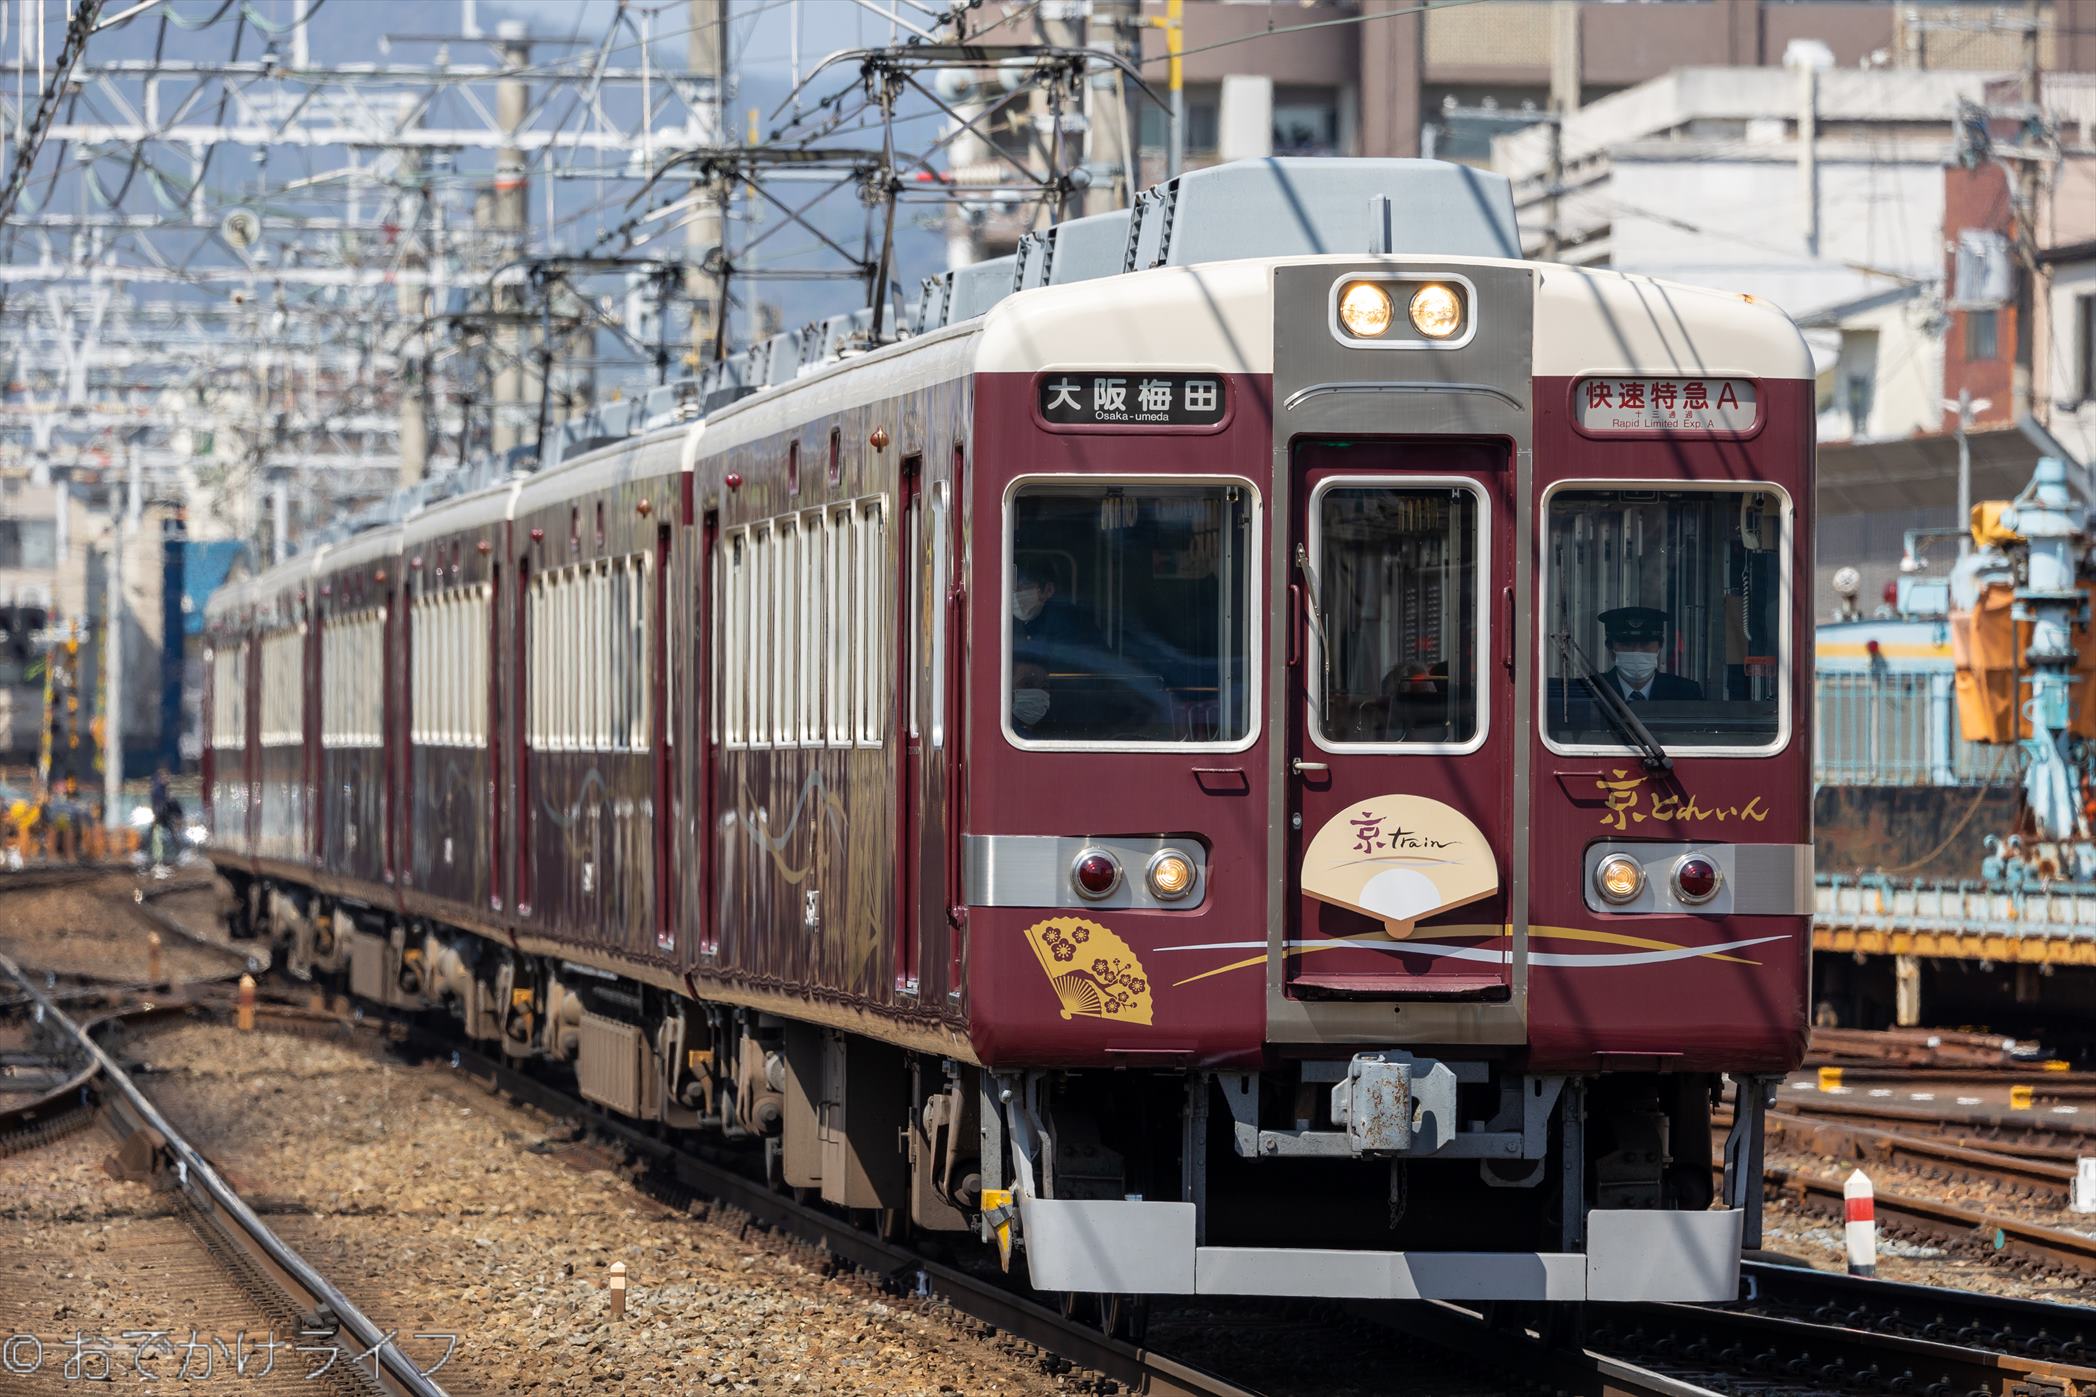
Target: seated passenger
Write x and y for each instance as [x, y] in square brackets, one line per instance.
[1048, 635]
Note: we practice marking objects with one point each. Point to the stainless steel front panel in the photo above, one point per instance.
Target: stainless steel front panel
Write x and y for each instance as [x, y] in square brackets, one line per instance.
[1754, 880]
[1033, 870]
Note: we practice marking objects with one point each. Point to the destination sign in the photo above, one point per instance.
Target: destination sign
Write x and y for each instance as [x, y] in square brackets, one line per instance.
[1131, 399]
[1666, 404]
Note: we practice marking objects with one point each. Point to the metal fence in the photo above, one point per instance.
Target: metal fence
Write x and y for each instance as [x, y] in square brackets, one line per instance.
[1899, 730]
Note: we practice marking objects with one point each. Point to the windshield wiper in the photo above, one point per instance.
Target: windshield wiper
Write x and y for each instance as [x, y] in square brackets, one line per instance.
[1621, 716]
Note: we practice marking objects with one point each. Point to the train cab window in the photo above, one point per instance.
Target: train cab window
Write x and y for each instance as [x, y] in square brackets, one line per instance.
[1128, 614]
[1396, 631]
[1664, 609]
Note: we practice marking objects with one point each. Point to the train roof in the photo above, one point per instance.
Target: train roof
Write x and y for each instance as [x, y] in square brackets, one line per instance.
[381, 542]
[1586, 321]
[660, 452]
[493, 504]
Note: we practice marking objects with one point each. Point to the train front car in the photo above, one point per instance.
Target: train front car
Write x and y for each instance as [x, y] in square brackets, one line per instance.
[1388, 800]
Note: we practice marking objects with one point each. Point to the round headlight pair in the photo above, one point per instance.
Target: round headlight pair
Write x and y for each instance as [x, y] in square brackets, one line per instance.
[1366, 310]
[1095, 873]
[1619, 878]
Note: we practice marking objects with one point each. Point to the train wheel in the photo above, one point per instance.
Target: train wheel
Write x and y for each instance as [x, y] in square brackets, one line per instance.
[1124, 1317]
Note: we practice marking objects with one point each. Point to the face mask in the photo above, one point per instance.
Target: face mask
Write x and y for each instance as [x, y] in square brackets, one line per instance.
[1637, 666]
[1026, 603]
[1029, 706]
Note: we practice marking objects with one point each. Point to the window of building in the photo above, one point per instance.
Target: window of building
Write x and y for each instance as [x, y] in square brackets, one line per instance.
[1980, 335]
[2085, 349]
[28, 543]
[1129, 613]
[1673, 602]
[1306, 121]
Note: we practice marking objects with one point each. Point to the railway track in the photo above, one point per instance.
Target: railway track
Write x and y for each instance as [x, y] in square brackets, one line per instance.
[281, 1284]
[1786, 1337]
[1462, 1337]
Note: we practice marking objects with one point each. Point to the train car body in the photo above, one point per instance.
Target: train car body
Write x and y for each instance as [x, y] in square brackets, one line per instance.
[1141, 774]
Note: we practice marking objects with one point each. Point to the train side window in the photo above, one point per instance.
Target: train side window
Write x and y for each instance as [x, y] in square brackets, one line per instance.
[611, 712]
[838, 594]
[785, 635]
[1678, 601]
[815, 626]
[941, 588]
[871, 680]
[534, 660]
[760, 636]
[731, 629]
[1128, 614]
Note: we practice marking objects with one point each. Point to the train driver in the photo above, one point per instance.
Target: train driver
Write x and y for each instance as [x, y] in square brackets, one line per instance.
[1634, 635]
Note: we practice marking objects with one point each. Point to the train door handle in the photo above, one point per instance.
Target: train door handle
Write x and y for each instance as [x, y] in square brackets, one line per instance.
[1295, 624]
[1506, 627]
[1300, 766]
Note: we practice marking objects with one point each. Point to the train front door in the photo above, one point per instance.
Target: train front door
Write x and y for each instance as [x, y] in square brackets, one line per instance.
[1400, 569]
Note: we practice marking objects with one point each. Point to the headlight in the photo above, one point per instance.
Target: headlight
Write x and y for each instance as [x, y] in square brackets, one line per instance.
[1364, 309]
[1619, 878]
[1171, 875]
[1436, 311]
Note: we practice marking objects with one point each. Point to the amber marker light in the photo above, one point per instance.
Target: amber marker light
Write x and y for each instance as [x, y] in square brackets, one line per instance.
[1364, 309]
[1171, 875]
[1436, 311]
[1619, 877]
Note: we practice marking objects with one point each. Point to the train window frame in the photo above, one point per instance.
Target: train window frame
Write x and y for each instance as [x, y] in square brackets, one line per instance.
[872, 680]
[757, 660]
[1255, 609]
[731, 688]
[785, 692]
[843, 597]
[1313, 538]
[1786, 598]
[816, 619]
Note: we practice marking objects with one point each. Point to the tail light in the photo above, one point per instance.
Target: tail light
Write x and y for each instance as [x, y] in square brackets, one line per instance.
[1095, 874]
[1696, 879]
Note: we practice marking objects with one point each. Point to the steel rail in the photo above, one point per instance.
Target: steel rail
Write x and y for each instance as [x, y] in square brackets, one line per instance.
[2062, 1130]
[1847, 1356]
[2017, 1236]
[228, 1213]
[1864, 1144]
[1970, 1318]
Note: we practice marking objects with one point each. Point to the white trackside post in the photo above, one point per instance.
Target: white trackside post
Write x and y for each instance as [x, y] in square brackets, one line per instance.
[2084, 1199]
[1859, 1208]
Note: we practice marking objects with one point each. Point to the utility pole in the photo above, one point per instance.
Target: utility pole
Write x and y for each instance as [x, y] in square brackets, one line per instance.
[1565, 64]
[1063, 26]
[512, 105]
[113, 680]
[1967, 407]
[1120, 31]
[2028, 191]
[706, 236]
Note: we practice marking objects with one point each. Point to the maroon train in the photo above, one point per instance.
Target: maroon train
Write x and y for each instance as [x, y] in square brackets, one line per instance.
[1141, 773]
